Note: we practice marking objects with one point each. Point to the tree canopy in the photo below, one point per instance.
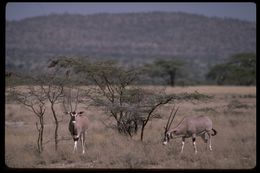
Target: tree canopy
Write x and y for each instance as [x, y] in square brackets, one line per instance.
[166, 69]
[240, 69]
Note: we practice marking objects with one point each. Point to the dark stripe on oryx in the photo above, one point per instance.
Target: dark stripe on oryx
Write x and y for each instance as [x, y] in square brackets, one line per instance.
[72, 128]
[74, 131]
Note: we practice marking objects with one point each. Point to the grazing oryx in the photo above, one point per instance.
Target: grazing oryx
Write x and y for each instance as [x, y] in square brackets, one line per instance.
[189, 127]
[78, 125]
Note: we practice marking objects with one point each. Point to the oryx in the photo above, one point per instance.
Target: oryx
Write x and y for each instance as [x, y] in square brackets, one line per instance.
[189, 127]
[78, 125]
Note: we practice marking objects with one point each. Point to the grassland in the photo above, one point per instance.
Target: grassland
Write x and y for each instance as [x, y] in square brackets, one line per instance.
[232, 110]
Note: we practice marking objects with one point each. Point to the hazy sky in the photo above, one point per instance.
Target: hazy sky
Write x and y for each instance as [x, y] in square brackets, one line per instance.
[242, 10]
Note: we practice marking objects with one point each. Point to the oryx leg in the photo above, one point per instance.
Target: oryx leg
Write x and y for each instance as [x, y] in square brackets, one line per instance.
[183, 142]
[205, 139]
[208, 139]
[76, 138]
[210, 148]
[75, 146]
[194, 144]
[83, 142]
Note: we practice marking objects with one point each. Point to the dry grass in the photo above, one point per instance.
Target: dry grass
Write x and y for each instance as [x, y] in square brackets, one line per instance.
[233, 111]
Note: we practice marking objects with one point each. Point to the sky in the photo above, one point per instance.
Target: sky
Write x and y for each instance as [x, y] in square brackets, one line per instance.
[237, 10]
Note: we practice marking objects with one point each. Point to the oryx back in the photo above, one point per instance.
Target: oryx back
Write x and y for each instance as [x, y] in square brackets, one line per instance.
[198, 125]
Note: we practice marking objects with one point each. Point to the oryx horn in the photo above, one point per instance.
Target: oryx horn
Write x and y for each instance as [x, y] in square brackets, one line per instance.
[170, 119]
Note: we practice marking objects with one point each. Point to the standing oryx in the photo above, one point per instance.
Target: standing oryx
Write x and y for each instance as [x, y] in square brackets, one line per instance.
[189, 127]
[78, 125]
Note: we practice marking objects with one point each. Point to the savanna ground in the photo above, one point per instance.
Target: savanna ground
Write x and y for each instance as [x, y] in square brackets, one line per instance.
[232, 110]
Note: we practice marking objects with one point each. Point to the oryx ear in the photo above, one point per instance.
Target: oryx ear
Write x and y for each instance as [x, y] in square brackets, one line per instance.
[81, 112]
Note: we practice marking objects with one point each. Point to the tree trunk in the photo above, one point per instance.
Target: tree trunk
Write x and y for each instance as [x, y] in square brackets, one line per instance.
[56, 126]
[172, 77]
[142, 130]
[38, 139]
[41, 133]
[144, 122]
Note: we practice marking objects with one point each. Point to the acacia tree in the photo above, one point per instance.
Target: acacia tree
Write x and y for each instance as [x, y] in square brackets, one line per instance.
[35, 100]
[129, 105]
[110, 86]
[50, 87]
[165, 69]
[53, 90]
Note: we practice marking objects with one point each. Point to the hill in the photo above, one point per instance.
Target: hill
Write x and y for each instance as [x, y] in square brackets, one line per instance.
[132, 38]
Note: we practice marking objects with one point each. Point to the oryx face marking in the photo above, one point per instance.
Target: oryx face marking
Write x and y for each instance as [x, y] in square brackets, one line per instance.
[189, 127]
[166, 138]
[77, 126]
[73, 117]
[72, 126]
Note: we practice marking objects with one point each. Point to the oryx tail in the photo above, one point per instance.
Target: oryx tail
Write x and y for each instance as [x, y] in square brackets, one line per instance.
[214, 132]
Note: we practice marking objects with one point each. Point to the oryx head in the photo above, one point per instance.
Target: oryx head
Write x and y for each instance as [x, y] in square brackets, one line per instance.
[167, 133]
[73, 115]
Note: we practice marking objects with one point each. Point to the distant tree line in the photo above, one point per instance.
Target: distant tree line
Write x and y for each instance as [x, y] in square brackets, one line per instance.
[240, 69]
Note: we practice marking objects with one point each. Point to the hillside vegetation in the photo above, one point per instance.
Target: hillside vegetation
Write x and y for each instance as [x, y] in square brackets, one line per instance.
[131, 38]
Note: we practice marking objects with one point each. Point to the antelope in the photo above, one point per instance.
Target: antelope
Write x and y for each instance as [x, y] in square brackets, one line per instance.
[189, 127]
[78, 125]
